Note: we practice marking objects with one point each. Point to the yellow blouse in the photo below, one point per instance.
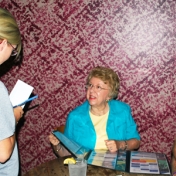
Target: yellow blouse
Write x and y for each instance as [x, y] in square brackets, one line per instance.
[99, 123]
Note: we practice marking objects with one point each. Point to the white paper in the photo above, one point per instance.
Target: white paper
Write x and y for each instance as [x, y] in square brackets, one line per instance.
[20, 93]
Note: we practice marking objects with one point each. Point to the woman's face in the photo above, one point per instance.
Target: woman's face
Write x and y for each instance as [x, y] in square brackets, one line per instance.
[5, 51]
[96, 96]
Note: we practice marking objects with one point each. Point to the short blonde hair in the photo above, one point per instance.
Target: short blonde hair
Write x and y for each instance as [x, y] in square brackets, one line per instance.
[108, 76]
[9, 29]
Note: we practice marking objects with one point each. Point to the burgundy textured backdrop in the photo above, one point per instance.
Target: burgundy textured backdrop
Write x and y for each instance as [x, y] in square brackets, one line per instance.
[64, 39]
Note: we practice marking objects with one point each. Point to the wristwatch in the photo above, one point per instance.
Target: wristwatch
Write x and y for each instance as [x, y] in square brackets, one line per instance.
[126, 145]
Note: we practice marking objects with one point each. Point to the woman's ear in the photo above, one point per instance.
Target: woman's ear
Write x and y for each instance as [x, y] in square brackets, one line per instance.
[3, 43]
[108, 98]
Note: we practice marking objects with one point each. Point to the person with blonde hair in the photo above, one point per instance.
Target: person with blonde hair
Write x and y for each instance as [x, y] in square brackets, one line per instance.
[10, 45]
[101, 122]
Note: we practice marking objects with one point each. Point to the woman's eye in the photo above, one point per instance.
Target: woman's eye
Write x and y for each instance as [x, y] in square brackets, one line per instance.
[90, 85]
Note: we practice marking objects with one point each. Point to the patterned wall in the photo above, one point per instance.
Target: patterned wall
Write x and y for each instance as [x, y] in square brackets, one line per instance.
[64, 39]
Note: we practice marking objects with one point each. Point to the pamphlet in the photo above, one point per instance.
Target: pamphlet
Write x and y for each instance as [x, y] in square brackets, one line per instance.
[150, 163]
[102, 158]
[20, 93]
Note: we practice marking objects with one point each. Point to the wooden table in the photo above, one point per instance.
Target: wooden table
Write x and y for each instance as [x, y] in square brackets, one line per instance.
[57, 168]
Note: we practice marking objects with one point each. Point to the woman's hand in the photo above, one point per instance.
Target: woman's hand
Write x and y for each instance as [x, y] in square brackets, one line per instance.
[53, 139]
[18, 113]
[112, 145]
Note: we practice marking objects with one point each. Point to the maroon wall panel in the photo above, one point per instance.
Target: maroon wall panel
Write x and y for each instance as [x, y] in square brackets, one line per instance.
[64, 39]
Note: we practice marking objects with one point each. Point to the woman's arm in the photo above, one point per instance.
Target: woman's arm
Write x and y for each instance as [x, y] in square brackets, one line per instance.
[59, 150]
[130, 144]
[115, 145]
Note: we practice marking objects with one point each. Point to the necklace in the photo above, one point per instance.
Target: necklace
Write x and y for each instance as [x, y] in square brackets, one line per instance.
[100, 112]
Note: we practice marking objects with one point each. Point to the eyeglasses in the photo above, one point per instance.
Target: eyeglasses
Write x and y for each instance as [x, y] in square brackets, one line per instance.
[14, 51]
[97, 87]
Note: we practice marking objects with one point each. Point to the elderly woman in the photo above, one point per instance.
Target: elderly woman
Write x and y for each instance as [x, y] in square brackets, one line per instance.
[10, 45]
[100, 122]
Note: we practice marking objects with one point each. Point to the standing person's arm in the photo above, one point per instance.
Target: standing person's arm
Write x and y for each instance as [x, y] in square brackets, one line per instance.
[6, 148]
[173, 160]
[7, 144]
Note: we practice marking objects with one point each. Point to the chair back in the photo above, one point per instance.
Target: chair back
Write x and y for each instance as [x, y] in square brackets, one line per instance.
[60, 128]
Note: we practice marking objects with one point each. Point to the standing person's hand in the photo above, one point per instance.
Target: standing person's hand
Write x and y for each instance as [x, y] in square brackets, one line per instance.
[18, 113]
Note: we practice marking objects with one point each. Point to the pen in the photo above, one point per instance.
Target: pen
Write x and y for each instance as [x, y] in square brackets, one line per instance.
[30, 99]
